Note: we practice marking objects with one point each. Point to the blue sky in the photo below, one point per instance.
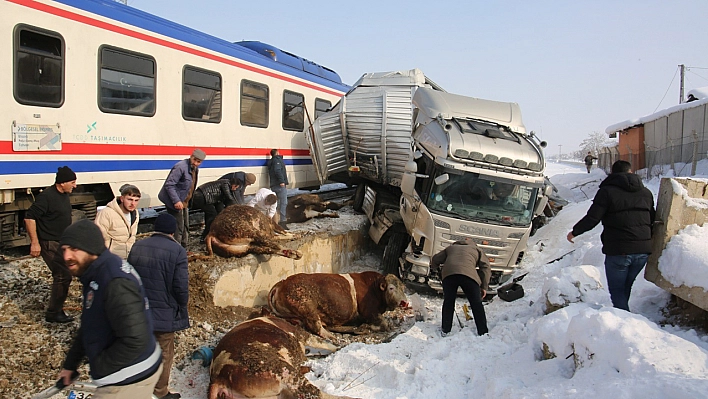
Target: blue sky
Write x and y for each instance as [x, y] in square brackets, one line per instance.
[574, 67]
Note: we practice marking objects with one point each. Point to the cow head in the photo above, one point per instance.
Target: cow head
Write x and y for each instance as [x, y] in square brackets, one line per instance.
[394, 294]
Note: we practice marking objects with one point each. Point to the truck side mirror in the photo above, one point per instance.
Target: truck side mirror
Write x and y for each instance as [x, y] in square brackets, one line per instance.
[411, 167]
[442, 179]
[408, 182]
[540, 205]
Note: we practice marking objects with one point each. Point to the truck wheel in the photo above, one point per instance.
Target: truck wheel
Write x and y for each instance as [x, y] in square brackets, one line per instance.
[394, 249]
[359, 197]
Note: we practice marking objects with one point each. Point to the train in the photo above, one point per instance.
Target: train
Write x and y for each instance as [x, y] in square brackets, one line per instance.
[120, 95]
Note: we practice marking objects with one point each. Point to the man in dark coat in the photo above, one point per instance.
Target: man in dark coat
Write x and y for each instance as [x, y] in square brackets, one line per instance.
[213, 197]
[278, 184]
[116, 326]
[243, 180]
[460, 263]
[162, 265]
[45, 221]
[588, 161]
[177, 191]
[626, 209]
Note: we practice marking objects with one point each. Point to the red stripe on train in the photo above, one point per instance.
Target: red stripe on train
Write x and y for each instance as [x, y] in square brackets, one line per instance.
[139, 149]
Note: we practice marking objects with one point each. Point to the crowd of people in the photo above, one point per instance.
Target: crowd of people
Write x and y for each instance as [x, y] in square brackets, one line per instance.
[135, 294]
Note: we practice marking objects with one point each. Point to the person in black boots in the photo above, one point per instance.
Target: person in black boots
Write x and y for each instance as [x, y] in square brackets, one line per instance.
[45, 221]
[212, 197]
[463, 265]
[116, 324]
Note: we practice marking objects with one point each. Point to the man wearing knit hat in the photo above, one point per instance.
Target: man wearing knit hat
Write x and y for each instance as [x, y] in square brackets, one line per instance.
[243, 180]
[45, 221]
[162, 265]
[116, 325]
[177, 191]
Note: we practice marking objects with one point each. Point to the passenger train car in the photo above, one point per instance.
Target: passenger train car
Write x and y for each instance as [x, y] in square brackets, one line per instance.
[120, 95]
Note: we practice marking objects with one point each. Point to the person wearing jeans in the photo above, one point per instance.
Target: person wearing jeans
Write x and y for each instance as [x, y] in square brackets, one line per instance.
[621, 271]
[626, 209]
[278, 184]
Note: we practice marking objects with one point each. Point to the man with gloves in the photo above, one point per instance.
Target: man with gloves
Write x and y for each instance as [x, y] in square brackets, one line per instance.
[116, 326]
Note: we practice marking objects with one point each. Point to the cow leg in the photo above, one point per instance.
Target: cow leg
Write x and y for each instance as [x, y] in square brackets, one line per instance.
[238, 247]
[328, 215]
[273, 249]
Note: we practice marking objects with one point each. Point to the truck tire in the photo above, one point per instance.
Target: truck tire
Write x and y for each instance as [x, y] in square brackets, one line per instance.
[359, 195]
[395, 246]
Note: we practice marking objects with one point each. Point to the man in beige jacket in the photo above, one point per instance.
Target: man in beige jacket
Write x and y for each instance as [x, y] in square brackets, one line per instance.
[463, 265]
[118, 221]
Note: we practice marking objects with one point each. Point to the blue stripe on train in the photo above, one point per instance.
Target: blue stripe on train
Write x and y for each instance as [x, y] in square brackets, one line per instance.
[38, 167]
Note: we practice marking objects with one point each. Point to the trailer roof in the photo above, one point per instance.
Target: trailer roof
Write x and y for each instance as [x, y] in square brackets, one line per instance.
[433, 103]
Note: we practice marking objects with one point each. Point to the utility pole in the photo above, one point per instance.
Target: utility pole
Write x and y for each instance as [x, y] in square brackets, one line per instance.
[559, 152]
[683, 71]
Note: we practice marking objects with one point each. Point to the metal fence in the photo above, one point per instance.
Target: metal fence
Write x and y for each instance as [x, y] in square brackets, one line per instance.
[681, 158]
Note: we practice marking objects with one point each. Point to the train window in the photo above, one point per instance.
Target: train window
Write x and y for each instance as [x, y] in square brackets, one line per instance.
[127, 82]
[293, 111]
[321, 106]
[39, 67]
[254, 104]
[201, 95]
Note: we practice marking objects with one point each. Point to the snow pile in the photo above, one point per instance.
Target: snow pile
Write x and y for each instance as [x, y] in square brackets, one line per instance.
[684, 260]
[572, 285]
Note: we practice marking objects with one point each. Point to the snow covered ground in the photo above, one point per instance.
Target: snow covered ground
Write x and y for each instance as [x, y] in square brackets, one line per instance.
[600, 351]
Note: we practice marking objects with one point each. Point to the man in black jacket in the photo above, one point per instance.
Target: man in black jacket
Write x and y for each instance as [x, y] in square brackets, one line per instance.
[243, 180]
[210, 195]
[278, 183]
[626, 209]
[45, 220]
[162, 264]
[116, 326]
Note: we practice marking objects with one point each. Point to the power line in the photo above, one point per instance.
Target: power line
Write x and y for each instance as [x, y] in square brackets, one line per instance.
[667, 90]
[704, 78]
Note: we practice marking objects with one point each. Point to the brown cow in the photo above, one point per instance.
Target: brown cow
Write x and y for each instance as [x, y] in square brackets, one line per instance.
[262, 358]
[240, 229]
[304, 207]
[322, 299]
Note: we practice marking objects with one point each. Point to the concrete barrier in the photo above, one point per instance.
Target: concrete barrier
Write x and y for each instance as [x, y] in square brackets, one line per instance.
[681, 202]
[246, 281]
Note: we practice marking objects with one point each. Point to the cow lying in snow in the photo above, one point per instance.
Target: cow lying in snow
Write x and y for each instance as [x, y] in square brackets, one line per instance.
[322, 300]
[240, 229]
[262, 358]
[304, 207]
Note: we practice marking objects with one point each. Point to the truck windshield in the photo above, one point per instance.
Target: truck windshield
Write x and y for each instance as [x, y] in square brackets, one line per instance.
[480, 198]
